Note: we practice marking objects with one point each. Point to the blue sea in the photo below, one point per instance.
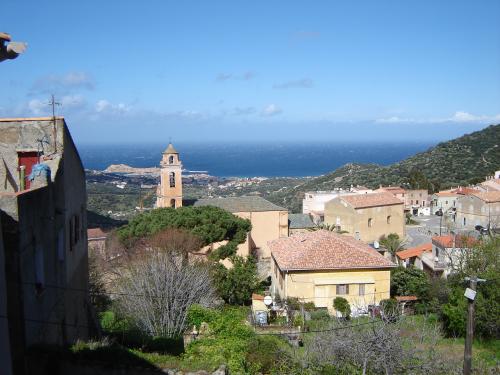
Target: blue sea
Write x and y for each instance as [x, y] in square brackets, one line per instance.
[253, 159]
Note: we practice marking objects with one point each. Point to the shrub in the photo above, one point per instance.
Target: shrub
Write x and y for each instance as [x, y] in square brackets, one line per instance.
[321, 314]
[390, 309]
[410, 282]
[236, 285]
[342, 305]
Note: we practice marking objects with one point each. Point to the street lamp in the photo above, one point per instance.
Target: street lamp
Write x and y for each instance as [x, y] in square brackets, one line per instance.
[10, 50]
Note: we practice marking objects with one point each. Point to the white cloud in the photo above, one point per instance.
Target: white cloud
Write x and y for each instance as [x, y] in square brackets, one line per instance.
[37, 107]
[104, 106]
[271, 110]
[458, 117]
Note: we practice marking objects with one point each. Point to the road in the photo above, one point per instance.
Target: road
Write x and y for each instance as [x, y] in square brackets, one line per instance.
[427, 227]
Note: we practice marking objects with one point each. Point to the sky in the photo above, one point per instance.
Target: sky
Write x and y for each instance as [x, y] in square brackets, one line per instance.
[237, 71]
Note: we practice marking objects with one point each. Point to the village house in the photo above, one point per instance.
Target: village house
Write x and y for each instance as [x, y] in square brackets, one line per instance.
[367, 217]
[478, 208]
[447, 254]
[445, 201]
[300, 223]
[321, 265]
[314, 201]
[44, 230]
[268, 220]
[412, 257]
[416, 201]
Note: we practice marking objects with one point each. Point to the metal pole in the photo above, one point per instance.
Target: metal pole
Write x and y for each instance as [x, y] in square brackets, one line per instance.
[470, 330]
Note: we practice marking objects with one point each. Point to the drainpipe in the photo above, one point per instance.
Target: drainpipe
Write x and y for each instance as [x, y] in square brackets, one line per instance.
[286, 285]
[22, 169]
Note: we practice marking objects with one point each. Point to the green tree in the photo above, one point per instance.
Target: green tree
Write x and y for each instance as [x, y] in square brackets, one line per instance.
[392, 243]
[342, 305]
[483, 262]
[209, 224]
[235, 285]
[410, 282]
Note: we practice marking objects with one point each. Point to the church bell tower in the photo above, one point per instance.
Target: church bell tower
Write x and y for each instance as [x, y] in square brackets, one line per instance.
[169, 192]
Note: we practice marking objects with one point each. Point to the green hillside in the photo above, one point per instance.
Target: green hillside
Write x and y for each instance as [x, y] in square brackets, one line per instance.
[461, 161]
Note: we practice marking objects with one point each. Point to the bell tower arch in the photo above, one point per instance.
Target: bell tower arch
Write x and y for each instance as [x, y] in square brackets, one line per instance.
[169, 192]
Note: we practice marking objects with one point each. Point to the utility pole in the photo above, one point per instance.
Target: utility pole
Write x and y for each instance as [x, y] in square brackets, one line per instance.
[53, 103]
[470, 293]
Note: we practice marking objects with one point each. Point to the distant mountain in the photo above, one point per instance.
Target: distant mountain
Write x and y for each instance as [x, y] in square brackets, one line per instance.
[462, 161]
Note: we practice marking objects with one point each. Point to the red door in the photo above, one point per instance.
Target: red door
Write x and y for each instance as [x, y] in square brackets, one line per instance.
[28, 159]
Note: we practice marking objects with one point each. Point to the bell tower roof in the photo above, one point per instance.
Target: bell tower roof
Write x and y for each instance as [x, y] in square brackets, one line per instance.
[170, 149]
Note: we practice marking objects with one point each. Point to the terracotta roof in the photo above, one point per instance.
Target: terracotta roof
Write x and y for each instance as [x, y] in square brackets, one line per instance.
[446, 193]
[371, 200]
[324, 250]
[96, 233]
[391, 189]
[488, 196]
[457, 241]
[257, 297]
[464, 190]
[414, 251]
[406, 298]
[492, 184]
[240, 204]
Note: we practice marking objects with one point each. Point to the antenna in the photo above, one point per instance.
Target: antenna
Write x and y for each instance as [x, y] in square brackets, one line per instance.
[53, 103]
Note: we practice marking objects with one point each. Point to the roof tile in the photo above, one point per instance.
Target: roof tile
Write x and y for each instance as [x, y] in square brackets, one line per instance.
[324, 249]
[371, 200]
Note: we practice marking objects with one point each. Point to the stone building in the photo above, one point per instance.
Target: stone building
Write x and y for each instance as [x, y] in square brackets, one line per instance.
[43, 215]
[169, 192]
[479, 208]
[367, 217]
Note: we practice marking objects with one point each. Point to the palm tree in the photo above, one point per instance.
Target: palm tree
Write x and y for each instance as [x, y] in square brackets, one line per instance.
[392, 243]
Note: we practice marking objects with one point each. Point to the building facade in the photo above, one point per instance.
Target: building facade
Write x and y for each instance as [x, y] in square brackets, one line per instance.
[480, 208]
[367, 217]
[169, 191]
[314, 202]
[321, 265]
[43, 209]
[268, 220]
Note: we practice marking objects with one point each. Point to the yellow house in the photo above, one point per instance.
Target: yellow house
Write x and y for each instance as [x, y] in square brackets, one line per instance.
[367, 216]
[322, 265]
[269, 221]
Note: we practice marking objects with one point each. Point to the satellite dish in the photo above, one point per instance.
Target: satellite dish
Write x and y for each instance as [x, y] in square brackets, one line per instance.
[268, 300]
[376, 245]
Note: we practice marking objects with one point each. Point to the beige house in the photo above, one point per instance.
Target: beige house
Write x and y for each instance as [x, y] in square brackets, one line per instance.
[269, 221]
[479, 208]
[44, 225]
[322, 265]
[367, 217]
[169, 191]
[416, 200]
[446, 201]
